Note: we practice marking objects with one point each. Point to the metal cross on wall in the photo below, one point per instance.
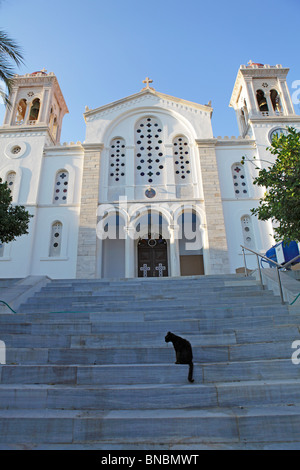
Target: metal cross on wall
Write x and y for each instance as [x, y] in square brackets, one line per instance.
[160, 268]
[145, 268]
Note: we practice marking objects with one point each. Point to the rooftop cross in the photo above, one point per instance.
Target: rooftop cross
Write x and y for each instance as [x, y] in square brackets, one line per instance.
[147, 82]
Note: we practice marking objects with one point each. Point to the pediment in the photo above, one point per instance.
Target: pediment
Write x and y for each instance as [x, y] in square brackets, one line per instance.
[147, 97]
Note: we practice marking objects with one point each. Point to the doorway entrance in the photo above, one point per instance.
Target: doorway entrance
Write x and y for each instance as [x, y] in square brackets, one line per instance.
[152, 257]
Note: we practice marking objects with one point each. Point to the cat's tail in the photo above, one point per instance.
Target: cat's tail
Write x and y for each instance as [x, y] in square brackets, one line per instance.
[191, 370]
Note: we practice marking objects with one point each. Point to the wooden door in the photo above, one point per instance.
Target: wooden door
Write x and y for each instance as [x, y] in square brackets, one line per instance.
[152, 258]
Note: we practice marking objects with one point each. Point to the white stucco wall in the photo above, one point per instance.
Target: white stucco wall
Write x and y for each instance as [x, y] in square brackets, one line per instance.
[229, 153]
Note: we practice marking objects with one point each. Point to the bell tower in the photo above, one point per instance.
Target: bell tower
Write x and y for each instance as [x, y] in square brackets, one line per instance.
[37, 102]
[31, 123]
[261, 99]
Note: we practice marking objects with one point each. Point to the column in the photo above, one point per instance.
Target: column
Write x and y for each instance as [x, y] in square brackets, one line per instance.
[216, 255]
[45, 100]
[130, 258]
[252, 97]
[286, 100]
[174, 251]
[87, 237]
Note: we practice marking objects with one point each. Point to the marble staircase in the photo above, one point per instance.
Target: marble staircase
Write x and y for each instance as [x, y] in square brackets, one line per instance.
[87, 367]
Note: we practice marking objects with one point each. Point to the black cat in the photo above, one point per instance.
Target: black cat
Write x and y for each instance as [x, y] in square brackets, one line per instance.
[184, 353]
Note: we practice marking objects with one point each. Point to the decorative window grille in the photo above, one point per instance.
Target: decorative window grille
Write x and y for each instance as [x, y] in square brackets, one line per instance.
[10, 179]
[56, 238]
[182, 159]
[247, 231]
[61, 187]
[117, 162]
[149, 152]
[239, 180]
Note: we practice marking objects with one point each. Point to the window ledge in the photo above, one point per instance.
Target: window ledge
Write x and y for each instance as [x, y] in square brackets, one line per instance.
[54, 259]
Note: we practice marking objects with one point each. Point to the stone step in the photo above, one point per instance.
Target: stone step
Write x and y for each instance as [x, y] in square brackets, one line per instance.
[56, 339]
[149, 397]
[113, 324]
[96, 314]
[199, 295]
[142, 292]
[157, 445]
[146, 355]
[71, 297]
[139, 281]
[245, 306]
[134, 374]
[112, 340]
[151, 307]
[107, 397]
[227, 425]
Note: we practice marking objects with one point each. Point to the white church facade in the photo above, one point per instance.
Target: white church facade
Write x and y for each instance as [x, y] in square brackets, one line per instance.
[150, 192]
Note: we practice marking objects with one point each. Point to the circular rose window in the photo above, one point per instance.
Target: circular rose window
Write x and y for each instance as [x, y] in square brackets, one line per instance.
[16, 150]
[150, 193]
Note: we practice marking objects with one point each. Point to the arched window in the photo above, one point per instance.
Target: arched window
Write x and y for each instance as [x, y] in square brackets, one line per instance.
[149, 151]
[262, 101]
[247, 231]
[182, 159]
[34, 110]
[61, 187]
[275, 99]
[21, 112]
[10, 179]
[239, 180]
[117, 162]
[56, 238]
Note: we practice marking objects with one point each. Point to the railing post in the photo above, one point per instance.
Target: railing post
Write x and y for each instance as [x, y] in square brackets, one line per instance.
[280, 285]
[245, 262]
[259, 271]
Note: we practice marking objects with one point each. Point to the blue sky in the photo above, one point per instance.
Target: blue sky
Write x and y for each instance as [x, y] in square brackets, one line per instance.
[101, 51]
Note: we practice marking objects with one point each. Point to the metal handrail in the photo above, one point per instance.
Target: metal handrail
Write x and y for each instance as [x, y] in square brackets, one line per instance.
[2, 302]
[286, 265]
[277, 265]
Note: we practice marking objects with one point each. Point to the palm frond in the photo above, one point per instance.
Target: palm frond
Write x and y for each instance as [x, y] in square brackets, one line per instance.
[5, 98]
[8, 47]
[10, 55]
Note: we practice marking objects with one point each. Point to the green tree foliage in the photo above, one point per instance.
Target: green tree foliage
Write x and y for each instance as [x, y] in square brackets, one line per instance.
[10, 55]
[281, 202]
[14, 220]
